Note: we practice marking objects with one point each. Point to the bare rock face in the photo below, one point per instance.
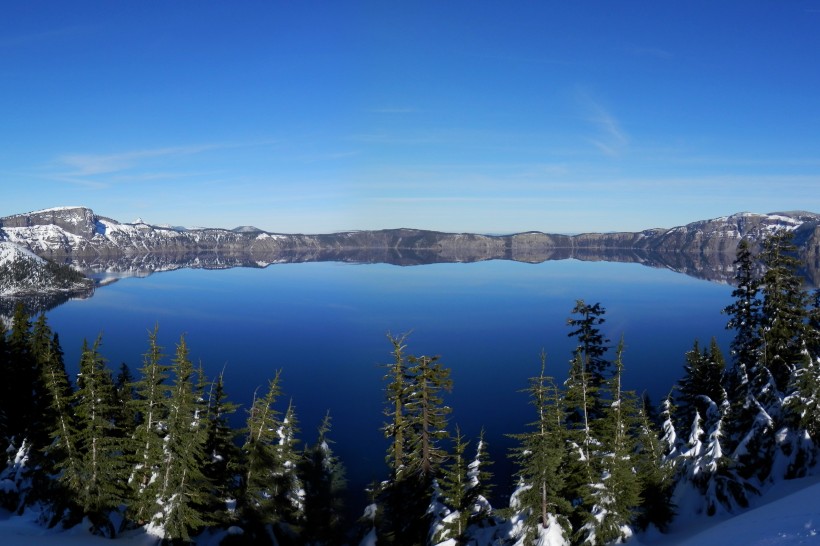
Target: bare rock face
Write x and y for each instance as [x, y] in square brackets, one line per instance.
[705, 248]
[78, 221]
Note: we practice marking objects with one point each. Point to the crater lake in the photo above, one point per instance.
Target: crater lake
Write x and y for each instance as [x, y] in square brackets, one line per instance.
[325, 325]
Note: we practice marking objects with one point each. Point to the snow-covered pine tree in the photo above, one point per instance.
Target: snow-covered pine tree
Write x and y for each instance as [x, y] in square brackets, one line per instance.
[452, 520]
[183, 488]
[288, 492]
[615, 495]
[580, 466]
[255, 502]
[744, 315]
[101, 485]
[783, 312]
[539, 505]
[146, 454]
[323, 476]
[61, 457]
[418, 425]
[655, 475]
[480, 483]
[222, 454]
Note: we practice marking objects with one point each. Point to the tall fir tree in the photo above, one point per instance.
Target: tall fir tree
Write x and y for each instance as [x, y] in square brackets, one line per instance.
[540, 502]
[592, 345]
[150, 408]
[783, 312]
[255, 502]
[323, 476]
[222, 455]
[744, 319]
[102, 469]
[184, 489]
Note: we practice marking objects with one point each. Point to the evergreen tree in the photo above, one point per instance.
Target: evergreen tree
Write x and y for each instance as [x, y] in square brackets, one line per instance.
[5, 399]
[540, 502]
[101, 481]
[150, 408]
[480, 483]
[655, 476]
[124, 396]
[260, 457]
[397, 398]
[592, 345]
[20, 378]
[744, 312]
[615, 495]
[783, 312]
[184, 489]
[288, 493]
[222, 453]
[427, 414]
[324, 481]
[61, 456]
[454, 486]
[418, 425]
[702, 383]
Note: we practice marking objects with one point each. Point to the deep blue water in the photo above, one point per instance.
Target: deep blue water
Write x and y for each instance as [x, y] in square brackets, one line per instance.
[324, 325]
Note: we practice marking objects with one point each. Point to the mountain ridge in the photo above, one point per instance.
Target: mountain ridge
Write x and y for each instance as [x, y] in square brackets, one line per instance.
[95, 243]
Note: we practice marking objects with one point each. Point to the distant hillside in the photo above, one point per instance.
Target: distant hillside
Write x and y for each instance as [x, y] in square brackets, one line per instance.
[704, 248]
[24, 273]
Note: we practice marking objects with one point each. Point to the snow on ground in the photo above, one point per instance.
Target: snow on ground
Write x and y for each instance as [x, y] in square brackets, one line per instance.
[789, 515]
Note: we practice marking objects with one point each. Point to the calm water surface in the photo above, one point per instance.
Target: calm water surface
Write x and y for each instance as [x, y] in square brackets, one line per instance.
[324, 325]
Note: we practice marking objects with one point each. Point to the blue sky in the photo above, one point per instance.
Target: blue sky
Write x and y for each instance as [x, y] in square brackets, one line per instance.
[452, 115]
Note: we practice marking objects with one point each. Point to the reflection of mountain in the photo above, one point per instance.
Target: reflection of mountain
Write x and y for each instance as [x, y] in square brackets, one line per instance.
[106, 249]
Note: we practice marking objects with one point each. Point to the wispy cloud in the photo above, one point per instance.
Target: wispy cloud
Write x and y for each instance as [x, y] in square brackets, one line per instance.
[94, 164]
[87, 169]
[610, 138]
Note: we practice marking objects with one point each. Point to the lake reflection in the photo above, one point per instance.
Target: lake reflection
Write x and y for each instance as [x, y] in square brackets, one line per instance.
[324, 325]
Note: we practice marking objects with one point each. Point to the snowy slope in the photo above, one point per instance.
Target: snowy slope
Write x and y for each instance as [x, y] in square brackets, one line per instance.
[789, 515]
[23, 272]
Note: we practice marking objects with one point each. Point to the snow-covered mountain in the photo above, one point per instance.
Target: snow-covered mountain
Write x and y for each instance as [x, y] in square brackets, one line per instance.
[95, 243]
[24, 273]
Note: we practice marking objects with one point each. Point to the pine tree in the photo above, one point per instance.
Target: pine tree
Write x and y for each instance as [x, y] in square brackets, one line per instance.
[184, 488]
[150, 408]
[480, 483]
[288, 493]
[744, 313]
[324, 481]
[5, 399]
[222, 453]
[397, 398]
[656, 477]
[454, 486]
[592, 345]
[61, 456]
[124, 395]
[702, 383]
[20, 377]
[615, 495]
[418, 425]
[260, 457]
[540, 502]
[101, 482]
[783, 312]
[427, 414]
